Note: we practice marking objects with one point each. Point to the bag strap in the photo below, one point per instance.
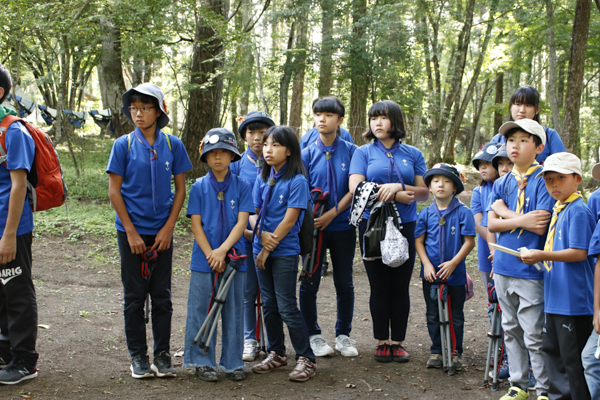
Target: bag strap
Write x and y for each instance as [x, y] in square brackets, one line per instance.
[6, 122]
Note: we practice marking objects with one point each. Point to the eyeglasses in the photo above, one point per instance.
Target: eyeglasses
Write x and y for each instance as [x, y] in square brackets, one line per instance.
[144, 110]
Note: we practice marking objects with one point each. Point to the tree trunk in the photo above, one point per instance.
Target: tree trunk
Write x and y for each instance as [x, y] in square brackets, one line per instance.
[498, 100]
[575, 76]
[298, 82]
[261, 91]
[478, 102]
[284, 82]
[359, 82]
[551, 87]
[327, 48]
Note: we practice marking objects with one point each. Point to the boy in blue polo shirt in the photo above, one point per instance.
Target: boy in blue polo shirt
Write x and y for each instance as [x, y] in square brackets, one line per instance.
[445, 235]
[568, 285]
[327, 162]
[219, 206]
[252, 130]
[311, 136]
[523, 202]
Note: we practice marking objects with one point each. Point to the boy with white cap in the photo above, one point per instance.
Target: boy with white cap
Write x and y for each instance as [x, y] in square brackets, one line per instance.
[568, 285]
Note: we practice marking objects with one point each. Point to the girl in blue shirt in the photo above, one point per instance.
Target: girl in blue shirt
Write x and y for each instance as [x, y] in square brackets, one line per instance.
[401, 179]
[280, 197]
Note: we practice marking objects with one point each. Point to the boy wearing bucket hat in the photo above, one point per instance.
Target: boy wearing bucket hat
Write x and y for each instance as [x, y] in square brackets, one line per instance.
[141, 165]
[252, 130]
[445, 235]
[520, 210]
[568, 283]
[219, 206]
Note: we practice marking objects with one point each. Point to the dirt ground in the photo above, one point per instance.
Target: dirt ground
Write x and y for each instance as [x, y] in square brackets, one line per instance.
[83, 352]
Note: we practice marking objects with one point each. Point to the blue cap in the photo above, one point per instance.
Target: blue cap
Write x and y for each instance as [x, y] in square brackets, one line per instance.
[487, 153]
[446, 170]
[254, 116]
[219, 138]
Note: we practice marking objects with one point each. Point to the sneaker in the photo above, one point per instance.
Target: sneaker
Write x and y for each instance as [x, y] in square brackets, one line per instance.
[320, 347]
[251, 350]
[5, 358]
[17, 371]
[503, 373]
[435, 361]
[140, 367]
[304, 370]
[457, 362]
[207, 374]
[515, 393]
[399, 353]
[273, 361]
[237, 375]
[532, 380]
[383, 353]
[162, 365]
[543, 396]
[345, 346]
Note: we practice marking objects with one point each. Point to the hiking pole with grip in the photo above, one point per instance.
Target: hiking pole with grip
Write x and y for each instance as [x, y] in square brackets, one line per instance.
[495, 335]
[309, 264]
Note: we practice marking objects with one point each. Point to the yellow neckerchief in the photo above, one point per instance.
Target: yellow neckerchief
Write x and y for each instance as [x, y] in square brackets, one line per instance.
[522, 182]
[558, 207]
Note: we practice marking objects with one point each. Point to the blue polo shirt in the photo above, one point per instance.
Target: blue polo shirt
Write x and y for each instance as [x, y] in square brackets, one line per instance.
[536, 198]
[370, 162]
[594, 204]
[203, 201]
[245, 169]
[20, 151]
[311, 136]
[134, 166]
[316, 167]
[569, 286]
[291, 193]
[554, 144]
[479, 203]
[459, 223]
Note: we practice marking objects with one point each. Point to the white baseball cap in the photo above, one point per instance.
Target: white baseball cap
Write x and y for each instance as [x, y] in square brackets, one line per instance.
[563, 163]
[528, 125]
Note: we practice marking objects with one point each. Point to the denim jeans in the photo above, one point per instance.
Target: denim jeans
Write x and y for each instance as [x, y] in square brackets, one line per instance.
[591, 365]
[135, 288]
[278, 286]
[232, 342]
[341, 246]
[250, 297]
[457, 296]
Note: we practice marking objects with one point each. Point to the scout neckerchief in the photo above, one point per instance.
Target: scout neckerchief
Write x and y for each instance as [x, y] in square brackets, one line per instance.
[331, 181]
[454, 203]
[267, 196]
[558, 207]
[153, 163]
[522, 182]
[258, 163]
[6, 111]
[220, 189]
[391, 164]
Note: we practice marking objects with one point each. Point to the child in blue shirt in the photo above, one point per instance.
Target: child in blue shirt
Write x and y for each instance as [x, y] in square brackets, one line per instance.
[523, 203]
[141, 165]
[311, 136]
[594, 199]
[568, 283]
[252, 130]
[327, 163]
[219, 206]
[281, 195]
[445, 235]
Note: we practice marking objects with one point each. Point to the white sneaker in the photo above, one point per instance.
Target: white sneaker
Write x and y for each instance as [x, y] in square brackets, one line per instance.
[345, 345]
[320, 347]
[251, 350]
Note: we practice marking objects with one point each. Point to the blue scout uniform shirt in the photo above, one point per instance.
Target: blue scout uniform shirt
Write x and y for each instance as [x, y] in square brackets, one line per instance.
[203, 201]
[311, 136]
[459, 223]
[536, 198]
[134, 167]
[479, 203]
[370, 162]
[569, 286]
[245, 169]
[553, 144]
[291, 193]
[594, 204]
[20, 150]
[316, 168]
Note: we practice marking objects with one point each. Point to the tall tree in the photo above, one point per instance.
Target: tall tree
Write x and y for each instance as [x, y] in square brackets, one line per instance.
[298, 78]
[552, 67]
[359, 81]
[327, 48]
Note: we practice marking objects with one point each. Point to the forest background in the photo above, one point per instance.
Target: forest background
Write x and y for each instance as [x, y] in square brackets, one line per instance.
[451, 65]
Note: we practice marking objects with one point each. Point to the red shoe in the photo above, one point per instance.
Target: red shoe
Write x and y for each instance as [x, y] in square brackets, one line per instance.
[383, 353]
[399, 354]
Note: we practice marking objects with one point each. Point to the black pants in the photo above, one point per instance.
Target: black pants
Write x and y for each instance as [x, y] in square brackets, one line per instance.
[390, 300]
[563, 340]
[18, 305]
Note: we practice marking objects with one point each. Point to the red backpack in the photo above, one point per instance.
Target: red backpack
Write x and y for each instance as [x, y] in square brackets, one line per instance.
[45, 181]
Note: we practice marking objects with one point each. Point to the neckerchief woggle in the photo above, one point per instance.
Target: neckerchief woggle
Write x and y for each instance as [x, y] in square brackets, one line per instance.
[391, 164]
[331, 181]
[267, 195]
[257, 163]
[153, 162]
[220, 188]
[454, 203]
[558, 207]
[522, 183]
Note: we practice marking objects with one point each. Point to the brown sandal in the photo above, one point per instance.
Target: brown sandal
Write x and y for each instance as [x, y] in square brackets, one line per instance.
[273, 361]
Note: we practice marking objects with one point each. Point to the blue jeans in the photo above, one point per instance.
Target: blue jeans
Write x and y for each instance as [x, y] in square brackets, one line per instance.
[135, 288]
[232, 342]
[341, 246]
[457, 296]
[250, 297]
[278, 287]
[591, 365]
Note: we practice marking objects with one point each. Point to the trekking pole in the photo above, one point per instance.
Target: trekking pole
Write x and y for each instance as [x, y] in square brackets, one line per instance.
[149, 259]
[436, 292]
[260, 323]
[448, 327]
[495, 335]
[309, 263]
